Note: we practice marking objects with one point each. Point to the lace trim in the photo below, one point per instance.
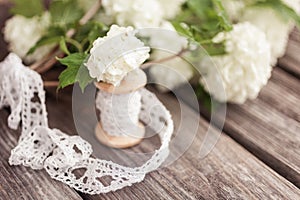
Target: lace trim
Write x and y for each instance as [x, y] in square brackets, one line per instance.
[40, 147]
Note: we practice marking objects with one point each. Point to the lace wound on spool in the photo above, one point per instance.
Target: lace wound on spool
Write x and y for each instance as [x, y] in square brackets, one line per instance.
[119, 113]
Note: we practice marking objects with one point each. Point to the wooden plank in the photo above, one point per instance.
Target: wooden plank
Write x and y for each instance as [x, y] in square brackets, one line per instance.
[283, 93]
[291, 61]
[269, 126]
[227, 172]
[18, 182]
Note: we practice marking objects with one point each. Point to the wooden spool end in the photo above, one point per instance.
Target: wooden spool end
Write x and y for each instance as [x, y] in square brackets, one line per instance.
[119, 141]
[132, 82]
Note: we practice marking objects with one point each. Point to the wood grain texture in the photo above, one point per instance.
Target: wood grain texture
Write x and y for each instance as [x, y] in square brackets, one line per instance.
[18, 182]
[269, 126]
[291, 61]
[283, 93]
[228, 172]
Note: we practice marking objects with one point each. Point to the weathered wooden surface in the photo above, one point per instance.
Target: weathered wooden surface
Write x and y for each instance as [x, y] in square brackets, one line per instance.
[269, 126]
[227, 172]
[291, 61]
[18, 182]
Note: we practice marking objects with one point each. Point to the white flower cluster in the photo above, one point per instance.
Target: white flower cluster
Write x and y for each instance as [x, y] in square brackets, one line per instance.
[22, 33]
[234, 8]
[141, 13]
[258, 39]
[275, 27]
[244, 70]
[116, 54]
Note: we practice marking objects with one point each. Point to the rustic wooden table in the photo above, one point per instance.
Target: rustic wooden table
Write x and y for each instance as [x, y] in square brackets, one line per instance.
[256, 157]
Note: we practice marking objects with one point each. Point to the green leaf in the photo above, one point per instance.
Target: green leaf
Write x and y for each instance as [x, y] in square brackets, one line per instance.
[281, 8]
[200, 7]
[65, 12]
[222, 15]
[63, 46]
[27, 8]
[53, 36]
[88, 33]
[75, 72]
[201, 21]
[183, 29]
[84, 78]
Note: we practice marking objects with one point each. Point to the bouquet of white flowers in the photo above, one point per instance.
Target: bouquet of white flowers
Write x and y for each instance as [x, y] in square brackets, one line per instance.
[240, 41]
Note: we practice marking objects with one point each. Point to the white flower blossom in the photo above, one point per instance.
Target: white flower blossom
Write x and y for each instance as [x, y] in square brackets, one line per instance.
[22, 33]
[170, 8]
[137, 13]
[116, 54]
[276, 28]
[141, 13]
[234, 8]
[243, 71]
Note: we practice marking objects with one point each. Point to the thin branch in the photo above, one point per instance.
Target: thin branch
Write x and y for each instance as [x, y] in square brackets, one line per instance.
[51, 83]
[50, 59]
[49, 64]
[91, 13]
[179, 54]
[38, 63]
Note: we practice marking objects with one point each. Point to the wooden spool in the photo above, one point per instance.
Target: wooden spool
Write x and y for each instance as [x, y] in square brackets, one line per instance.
[132, 82]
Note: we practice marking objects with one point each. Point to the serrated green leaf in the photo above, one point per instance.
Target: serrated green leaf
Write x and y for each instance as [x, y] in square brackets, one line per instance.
[84, 77]
[89, 32]
[27, 8]
[201, 21]
[75, 72]
[65, 12]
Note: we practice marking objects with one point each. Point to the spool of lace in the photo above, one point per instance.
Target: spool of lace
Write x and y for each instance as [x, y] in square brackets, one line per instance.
[43, 148]
[119, 108]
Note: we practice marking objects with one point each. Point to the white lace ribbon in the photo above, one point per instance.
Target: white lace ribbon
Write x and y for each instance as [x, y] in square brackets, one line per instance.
[119, 112]
[61, 155]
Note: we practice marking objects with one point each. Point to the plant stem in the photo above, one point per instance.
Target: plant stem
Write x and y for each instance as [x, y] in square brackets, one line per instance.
[51, 83]
[38, 63]
[179, 54]
[50, 63]
[50, 59]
